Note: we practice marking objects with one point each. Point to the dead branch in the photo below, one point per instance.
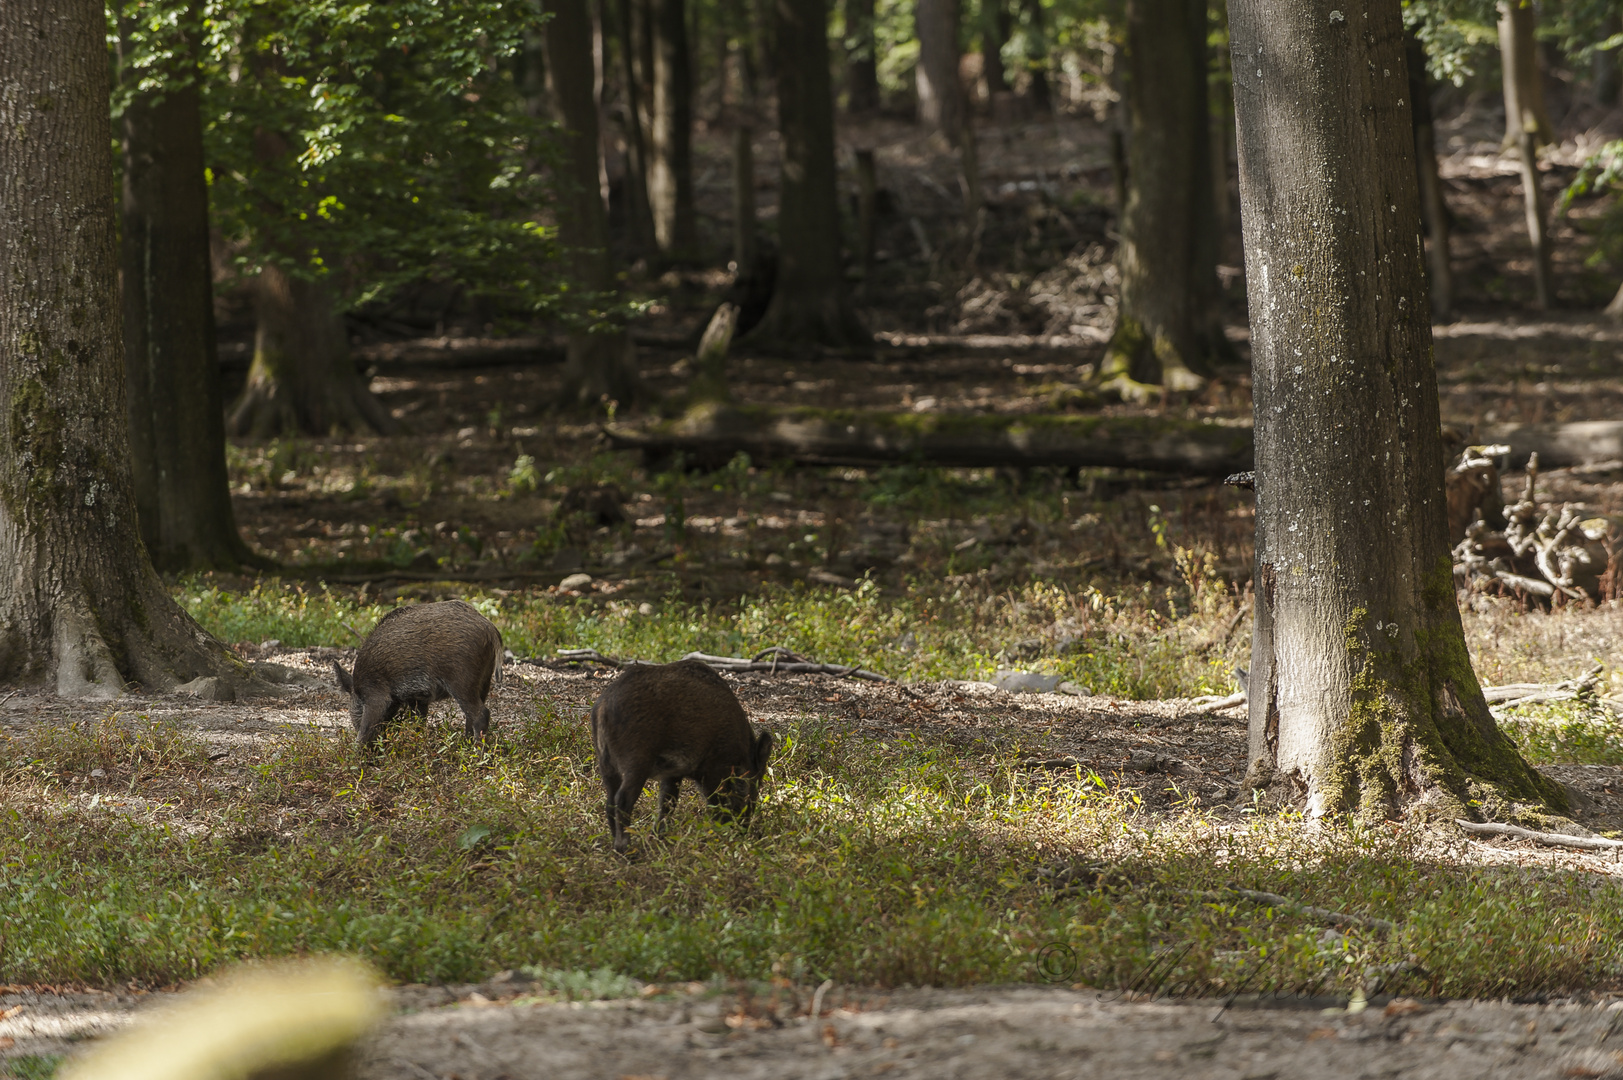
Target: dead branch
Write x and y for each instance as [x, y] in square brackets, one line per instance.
[782, 662]
[1219, 704]
[1582, 843]
[844, 437]
[1540, 693]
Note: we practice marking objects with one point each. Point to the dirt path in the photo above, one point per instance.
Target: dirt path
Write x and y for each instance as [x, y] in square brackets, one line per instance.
[492, 1032]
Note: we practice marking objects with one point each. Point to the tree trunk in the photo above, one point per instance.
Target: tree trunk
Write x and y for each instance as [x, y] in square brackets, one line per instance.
[744, 200]
[81, 609]
[1604, 68]
[810, 304]
[176, 413]
[861, 61]
[1527, 127]
[639, 215]
[994, 31]
[1433, 210]
[1519, 69]
[941, 97]
[302, 377]
[1036, 38]
[1362, 696]
[670, 175]
[601, 362]
[1168, 251]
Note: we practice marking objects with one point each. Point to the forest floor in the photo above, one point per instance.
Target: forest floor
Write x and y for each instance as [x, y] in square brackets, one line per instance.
[961, 834]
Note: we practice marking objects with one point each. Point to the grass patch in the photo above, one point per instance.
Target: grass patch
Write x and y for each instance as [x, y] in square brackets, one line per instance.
[1566, 733]
[1121, 647]
[903, 862]
[32, 1066]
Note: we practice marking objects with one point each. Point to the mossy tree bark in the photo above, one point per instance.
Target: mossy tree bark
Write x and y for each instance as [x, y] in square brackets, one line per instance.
[303, 378]
[1168, 327]
[811, 305]
[1362, 696]
[670, 173]
[81, 609]
[177, 428]
[601, 362]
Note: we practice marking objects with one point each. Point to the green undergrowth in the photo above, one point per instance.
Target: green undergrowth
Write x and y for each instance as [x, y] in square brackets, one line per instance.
[890, 863]
[1567, 732]
[1120, 646]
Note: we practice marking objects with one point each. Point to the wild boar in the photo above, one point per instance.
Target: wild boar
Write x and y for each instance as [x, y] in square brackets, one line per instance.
[418, 655]
[670, 722]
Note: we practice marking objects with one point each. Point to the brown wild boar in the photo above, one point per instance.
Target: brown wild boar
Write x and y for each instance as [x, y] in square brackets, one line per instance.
[670, 722]
[418, 655]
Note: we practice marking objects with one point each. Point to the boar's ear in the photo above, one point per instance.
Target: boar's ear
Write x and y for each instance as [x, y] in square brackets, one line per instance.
[764, 742]
[344, 682]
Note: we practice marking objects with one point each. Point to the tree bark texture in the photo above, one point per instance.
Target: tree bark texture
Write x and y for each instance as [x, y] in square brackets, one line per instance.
[1167, 326]
[177, 426]
[601, 363]
[744, 199]
[861, 58]
[811, 305]
[81, 609]
[1362, 697]
[941, 96]
[302, 378]
[670, 174]
[994, 32]
[1433, 209]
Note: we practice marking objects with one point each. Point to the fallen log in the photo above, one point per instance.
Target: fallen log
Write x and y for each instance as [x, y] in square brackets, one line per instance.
[1557, 445]
[712, 436]
[1581, 843]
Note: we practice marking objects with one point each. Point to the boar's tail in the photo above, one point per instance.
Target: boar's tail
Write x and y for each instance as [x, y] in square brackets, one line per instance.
[498, 664]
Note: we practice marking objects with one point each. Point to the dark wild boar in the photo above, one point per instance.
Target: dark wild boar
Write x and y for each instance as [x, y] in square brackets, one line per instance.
[418, 655]
[670, 722]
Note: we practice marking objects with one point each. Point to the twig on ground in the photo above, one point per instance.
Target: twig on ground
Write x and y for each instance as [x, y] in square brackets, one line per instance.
[1285, 902]
[9, 696]
[1582, 843]
[1540, 693]
[572, 657]
[358, 635]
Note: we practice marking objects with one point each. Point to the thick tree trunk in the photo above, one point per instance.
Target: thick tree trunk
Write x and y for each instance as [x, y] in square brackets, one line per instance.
[177, 427]
[994, 31]
[1362, 696]
[1168, 254]
[81, 609]
[1527, 127]
[670, 174]
[302, 377]
[1433, 210]
[810, 304]
[941, 97]
[600, 364]
[861, 60]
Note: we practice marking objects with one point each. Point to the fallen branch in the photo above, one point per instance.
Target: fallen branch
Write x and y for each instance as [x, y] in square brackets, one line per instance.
[1583, 843]
[783, 662]
[1296, 906]
[848, 437]
[1540, 693]
[1558, 444]
[1220, 704]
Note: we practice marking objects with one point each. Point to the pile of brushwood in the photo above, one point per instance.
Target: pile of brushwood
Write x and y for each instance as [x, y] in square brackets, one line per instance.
[1550, 554]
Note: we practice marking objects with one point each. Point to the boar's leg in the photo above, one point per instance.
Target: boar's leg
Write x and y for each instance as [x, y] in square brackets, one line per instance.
[670, 789]
[623, 804]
